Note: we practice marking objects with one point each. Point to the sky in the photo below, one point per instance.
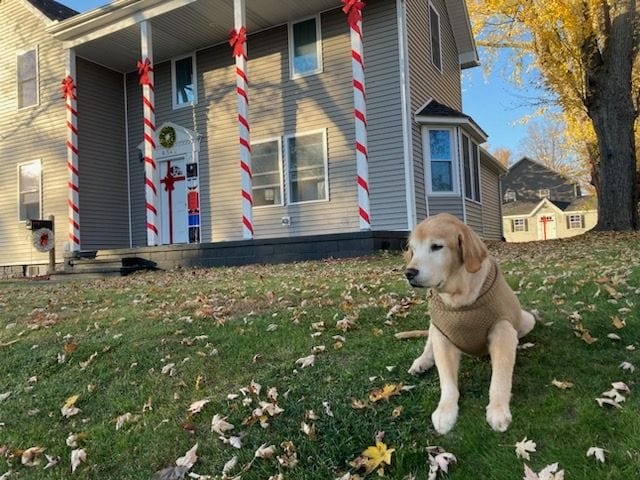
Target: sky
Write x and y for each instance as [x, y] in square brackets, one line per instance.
[493, 103]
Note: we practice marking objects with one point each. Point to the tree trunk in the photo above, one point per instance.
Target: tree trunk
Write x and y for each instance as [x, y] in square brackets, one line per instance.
[610, 106]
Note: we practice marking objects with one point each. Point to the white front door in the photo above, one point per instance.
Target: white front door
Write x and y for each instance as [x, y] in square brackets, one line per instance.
[174, 219]
[547, 227]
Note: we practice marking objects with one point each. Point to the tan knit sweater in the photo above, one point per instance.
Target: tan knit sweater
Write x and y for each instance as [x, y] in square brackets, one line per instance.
[468, 327]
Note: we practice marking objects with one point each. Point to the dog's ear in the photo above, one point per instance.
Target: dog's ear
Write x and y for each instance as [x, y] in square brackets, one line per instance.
[472, 249]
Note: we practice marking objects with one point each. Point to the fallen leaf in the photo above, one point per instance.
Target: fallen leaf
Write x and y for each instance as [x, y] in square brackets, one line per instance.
[265, 452]
[77, 457]
[4, 396]
[562, 385]
[51, 461]
[627, 366]
[615, 320]
[386, 392]
[305, 362]
[524, 447]
[31, 456]
[597, 453]
[327, 409]
[607, 401]
[621, 386]
[189, 458]
[196, 407]
[229, 465]
[377, 456]
[126, 418]
[220, 425]
[88, 361]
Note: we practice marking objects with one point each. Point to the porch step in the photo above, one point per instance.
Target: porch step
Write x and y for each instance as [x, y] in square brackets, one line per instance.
[87, 267]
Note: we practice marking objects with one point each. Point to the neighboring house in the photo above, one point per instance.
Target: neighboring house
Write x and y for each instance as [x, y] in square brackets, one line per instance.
[423, 152]
[540, 204]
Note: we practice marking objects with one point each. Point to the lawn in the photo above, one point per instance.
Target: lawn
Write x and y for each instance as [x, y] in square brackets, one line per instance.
[139, 351]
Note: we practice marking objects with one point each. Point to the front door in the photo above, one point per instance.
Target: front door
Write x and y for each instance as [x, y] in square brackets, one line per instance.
[174, 218]
[547, 227]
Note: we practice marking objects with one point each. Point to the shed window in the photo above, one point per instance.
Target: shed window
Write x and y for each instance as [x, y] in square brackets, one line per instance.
[29, 186]
[543, 193]
[575, 221]
[266, 173]
[28, 79]
[305, 47]
[520, 225]
[307, 167]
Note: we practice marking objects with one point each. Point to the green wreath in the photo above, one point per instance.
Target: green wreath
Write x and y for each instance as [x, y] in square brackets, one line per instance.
[167, 137]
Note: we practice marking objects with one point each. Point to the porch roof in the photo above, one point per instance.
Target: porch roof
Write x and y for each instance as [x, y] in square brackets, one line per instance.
[110, 36]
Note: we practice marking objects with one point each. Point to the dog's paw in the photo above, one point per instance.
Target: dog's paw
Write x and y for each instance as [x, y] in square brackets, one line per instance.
[499, 417]
[444, 418]
[420, 365]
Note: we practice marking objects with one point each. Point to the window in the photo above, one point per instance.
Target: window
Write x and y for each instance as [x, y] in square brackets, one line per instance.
[519, 225]
[266, 173]
[475, 158]
[575, 221]
[307, 167]
[28, 79]
[441, 161]
[183, 80]
[543, 193]
[436, 53]
[510, 196]
[29, 190]
[305, 52]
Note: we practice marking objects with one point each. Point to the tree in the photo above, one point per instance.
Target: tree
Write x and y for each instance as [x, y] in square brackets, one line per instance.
[503, 155]
[586, 52]
[546, 143]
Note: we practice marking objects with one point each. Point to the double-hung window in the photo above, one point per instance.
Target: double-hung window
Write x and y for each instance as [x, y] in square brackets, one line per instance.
[575, 221]
[436, 50]
[27, 63]
[305, 47]
[29, 190]
[183, 76]
[471, 167]
[307, 167]
[520, 225]
[266, 173]
[441, 165]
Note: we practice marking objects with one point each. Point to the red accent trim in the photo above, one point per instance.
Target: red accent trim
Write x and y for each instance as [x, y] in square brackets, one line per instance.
[148, 103]
[353, 9]
[74, 224]
[74, 239]
[151, 207]
[247, 196]
[72, 168]
[72, 186]
[73, 206]
[237, 39]
[361, 149]
[247, 224]
[245, 144]
[68, 87]
[242, 93]
[152, 227]
[244, 122]
[245, 167]
[147, 138]
[363, 183]
[143, 70]
[71, 127]
[151, 185]
[150, 161]
[72, 147]
[357, 84]
[356, 56]
[148, 123]
[242, 75]
[365, 215]
[360, 116]
[70, 108]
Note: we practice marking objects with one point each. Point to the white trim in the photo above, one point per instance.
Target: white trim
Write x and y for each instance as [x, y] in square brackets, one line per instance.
[473, 129]
[326, 165]
[579, 212]
[127, 157]
[474, 169]
[17, 80]
[478, 168]
[433, 8]
[40, 193]
[293, 75]
[427, 160]
[405, 99]
[542, 202]
[461, 176]
[278, 140]
[581, 220]
[194, 80]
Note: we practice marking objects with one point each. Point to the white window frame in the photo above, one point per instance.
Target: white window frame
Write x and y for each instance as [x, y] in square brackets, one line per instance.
[455, 175]
[432, 8]
[287, 172]
[292, 74]
[174, 86]
[510, 196]
[572, 225]
[474, 167]
[519, 225]
[280, 168]
[19, 192]
[541, 195]
[19, 53]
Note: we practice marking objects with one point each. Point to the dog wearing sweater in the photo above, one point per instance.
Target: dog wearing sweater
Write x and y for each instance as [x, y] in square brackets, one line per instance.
[473, 311]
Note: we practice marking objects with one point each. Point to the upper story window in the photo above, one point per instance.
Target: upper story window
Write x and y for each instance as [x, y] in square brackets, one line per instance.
[29, 188]
[305, 47]
[510, 196]
[543, 193]
[436, 50]
[266, 173]
[183, 81]
[441, 167]
[471, 168]
[28, 78]
[307, 167]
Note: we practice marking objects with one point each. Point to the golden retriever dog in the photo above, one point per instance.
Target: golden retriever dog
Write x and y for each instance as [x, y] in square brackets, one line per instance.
[473, 311]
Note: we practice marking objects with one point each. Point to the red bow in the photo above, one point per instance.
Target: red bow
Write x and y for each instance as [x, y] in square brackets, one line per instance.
[353, 8]
[68, 87]
[237, 40]
[143, 70]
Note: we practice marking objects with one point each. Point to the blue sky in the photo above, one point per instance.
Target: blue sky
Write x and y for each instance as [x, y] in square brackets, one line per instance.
[492, 102]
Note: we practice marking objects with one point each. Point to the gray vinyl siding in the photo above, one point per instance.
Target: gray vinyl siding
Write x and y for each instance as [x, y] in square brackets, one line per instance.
[104, 217]
[426, 82]
[280, 106]
[474, 215]
[34, 133]
[490, 187]
[452, 205]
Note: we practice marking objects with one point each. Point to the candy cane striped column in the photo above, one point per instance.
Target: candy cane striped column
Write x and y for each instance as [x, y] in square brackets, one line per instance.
[69, 94]
[238, 38]
[145, 70]
[353, 9]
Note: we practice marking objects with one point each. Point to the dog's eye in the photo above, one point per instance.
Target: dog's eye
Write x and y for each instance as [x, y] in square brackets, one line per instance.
[435, 248]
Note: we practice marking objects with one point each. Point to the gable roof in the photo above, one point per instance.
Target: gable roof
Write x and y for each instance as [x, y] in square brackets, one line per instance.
[526, 209]
[436, 112]
[52, 9]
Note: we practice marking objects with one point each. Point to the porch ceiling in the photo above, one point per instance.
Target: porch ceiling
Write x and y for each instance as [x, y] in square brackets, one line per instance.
[110, 35]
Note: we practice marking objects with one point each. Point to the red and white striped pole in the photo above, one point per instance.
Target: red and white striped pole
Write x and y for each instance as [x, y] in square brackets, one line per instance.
[145, 70]
[69, 94]
[353, 9]
[238, 40]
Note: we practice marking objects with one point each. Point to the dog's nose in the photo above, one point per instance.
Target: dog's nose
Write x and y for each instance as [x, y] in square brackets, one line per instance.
[411, 273]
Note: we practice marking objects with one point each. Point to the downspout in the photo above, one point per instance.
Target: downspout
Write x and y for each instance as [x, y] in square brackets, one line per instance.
[126, 142]
[405, 98]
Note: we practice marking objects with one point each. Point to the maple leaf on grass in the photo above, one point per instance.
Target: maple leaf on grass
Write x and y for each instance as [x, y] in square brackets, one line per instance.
[77, 457]
[386, 392]
[305, 362]
[524, 447]
[197, 407]
[220, 425]
[597, 453]
[377, 456]
[439, 460]
[550, 472]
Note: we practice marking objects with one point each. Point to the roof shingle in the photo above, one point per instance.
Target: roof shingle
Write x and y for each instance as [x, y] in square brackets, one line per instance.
[53, 9]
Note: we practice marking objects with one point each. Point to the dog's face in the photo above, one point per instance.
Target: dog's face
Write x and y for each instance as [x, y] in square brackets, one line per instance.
[439, 248]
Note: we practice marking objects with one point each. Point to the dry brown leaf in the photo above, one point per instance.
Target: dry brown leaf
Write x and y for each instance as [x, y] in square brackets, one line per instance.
[562, 384]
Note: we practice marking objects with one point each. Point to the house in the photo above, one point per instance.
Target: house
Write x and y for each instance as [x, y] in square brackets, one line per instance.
[177, 143]
[540, 204]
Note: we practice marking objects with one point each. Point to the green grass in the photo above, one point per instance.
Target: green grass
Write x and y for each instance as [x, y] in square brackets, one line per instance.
[139, 324]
